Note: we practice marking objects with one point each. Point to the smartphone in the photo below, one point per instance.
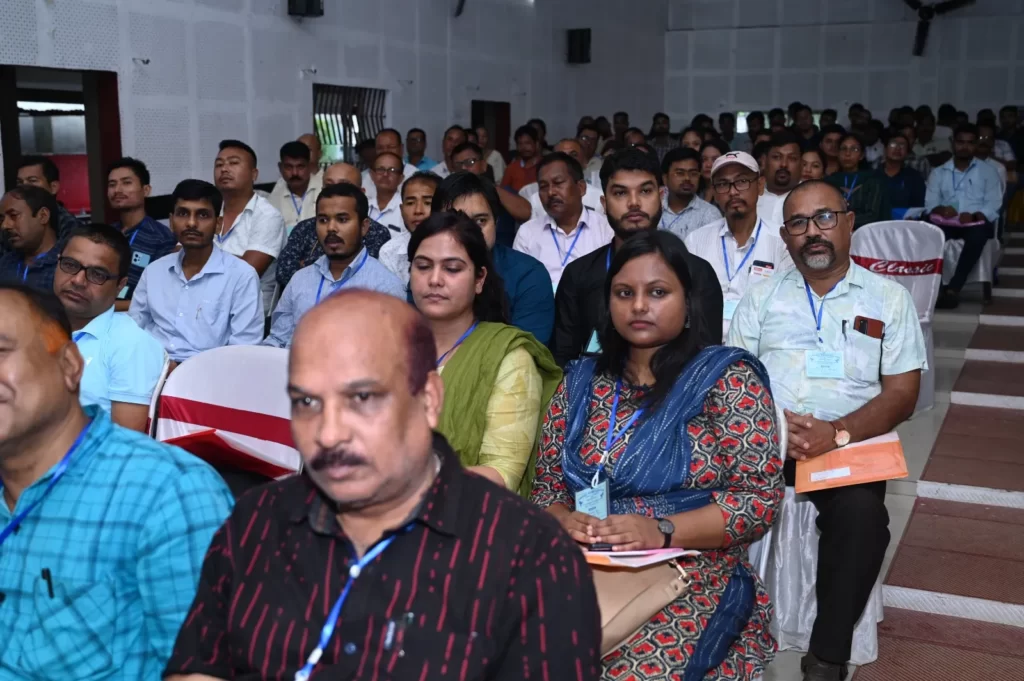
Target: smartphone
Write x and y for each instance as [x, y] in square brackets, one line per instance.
[872, 328]
[600, 546]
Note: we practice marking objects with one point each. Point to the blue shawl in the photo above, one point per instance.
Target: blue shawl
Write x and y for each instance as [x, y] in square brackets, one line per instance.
[653, 471]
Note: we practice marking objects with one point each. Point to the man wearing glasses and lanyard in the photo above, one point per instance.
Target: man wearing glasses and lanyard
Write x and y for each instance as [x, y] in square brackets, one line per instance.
[845, 352]
[741, 247]
[682, 210]
[341, 223]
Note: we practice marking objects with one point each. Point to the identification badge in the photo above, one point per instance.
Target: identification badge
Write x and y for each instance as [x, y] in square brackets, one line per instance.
[123, 294]
[594, 346]
[594, 501]
[824, 364]
[762, 269]
[729, 309]
[140, 259]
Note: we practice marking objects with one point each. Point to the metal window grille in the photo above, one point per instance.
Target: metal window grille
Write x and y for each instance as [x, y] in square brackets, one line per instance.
[345, 116]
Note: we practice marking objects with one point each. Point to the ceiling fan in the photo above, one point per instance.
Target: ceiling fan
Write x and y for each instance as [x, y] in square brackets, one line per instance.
[925, 14]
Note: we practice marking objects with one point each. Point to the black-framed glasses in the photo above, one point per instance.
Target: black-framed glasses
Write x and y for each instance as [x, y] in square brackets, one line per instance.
[381, 170]
[825, 220]
[467, 163]
[94, 275]
[723, 186]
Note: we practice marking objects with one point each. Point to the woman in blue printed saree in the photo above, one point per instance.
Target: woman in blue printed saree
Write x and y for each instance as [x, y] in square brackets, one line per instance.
[691, 460]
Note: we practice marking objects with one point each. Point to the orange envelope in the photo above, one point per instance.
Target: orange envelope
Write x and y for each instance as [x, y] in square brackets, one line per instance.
[879, 458]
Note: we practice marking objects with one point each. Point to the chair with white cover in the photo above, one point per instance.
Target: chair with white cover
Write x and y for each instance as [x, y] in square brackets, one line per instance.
[911, 254]
[983, 271]
[759, 550]
[155, 397]
[241, 392]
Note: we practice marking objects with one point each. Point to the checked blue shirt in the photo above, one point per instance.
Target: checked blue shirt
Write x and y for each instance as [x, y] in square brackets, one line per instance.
[122, 534]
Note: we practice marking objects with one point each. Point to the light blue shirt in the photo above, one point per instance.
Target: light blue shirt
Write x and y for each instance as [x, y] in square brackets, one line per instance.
[219, 306]
[976, 190]
[697, 214]
[775, 323]
[122, 362]
[315, 283]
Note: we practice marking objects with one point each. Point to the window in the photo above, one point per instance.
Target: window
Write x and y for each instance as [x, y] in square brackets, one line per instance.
[345, 116]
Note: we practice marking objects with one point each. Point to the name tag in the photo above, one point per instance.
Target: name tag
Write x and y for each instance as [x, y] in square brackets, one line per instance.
[594, 501]
[824, 364]
[594, 346]
[729, 309]
[762, 269]
[140, 259]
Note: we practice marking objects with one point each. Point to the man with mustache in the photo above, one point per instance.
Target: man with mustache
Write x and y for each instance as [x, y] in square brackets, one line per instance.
[341, 223]
[633, 203]
[845, 352]
[682, 210]
[781, 173]
[741, 247]
[127, 189]
[295, 197]
[384, 559]
[387, 141]
[200, 297]
[568, 229]
[28, 221]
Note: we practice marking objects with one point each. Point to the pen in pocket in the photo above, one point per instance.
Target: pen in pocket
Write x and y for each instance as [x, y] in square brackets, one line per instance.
[48, 578]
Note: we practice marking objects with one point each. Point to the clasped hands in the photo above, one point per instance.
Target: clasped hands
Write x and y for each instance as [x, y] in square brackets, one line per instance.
[808, 437]
[624, 532]
[950, 212]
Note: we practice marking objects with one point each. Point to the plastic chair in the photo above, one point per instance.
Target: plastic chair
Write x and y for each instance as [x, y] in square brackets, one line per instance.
[155, 399]
[910, 253]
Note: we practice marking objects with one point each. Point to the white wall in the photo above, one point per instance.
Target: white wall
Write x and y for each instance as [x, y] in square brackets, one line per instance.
[234, 68]
[755, 54]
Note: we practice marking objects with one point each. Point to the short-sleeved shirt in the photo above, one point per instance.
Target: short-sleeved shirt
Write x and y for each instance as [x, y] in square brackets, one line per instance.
[38, 274]
[556, 248]
[395, 255]
[121, 536]
[391, 216]
[303, 248]
[314, 284]
[531, 192]
[696, 214]
[259, 227]
[122, 362]
[518, 175]
[774, 322]
[149, 241]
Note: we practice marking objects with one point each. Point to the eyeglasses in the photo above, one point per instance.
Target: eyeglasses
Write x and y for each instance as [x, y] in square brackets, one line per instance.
[94, 275]
[723, 186]
[825, 220]
[381, 170]
[467, 163]
[850, 149]
[897, 145]
[587, 138]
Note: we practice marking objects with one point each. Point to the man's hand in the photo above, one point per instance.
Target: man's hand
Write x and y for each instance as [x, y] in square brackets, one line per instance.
[979, 217]
[629, 533]
[578, 525]
[966, 217]
[945, 211]
[808, 437]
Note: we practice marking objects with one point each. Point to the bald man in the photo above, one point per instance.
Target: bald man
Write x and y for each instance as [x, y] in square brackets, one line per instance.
[430, 563]
[98, 522]
[303, 247]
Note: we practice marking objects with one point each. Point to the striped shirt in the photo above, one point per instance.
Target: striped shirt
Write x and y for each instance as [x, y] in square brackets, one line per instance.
[121, 537]
[150, 241]
[481, 586]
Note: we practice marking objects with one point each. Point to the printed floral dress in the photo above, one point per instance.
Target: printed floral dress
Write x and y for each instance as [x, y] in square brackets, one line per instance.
[735, 448]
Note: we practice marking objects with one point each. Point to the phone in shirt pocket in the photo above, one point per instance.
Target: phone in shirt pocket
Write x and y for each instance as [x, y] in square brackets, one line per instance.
[762, 269]
[862, 353]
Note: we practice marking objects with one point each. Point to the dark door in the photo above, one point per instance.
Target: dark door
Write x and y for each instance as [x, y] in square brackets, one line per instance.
[496, 117]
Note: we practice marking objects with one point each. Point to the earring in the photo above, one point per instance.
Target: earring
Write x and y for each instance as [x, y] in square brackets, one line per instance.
[687, 324]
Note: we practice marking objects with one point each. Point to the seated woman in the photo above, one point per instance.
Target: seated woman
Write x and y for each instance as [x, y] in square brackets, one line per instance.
[812, 164]
[865, 190]
[685, 438]
[709, 153]
[498, 379]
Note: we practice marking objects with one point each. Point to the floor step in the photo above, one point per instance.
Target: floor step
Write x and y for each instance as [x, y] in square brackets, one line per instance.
[1011, 281]
[997, 344]
[1012, 260]
[990, 384]
[979, 447]
[1003, 312]
[916, 646]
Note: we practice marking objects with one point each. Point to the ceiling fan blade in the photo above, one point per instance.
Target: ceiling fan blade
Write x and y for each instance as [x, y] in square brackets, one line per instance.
[950, 6]
[921, 39]
[913, 4]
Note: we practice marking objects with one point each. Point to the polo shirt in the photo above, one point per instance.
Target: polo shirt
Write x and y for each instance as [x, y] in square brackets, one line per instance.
[122, 536]
[531, 192]
[977, 189]
[259, 227]
[219, 306]
[314, 284]
[696, 214]
[774, 322]
[545, 241]
[149, 240]
[426, 163]
[531, 301]
[123, 363]
[391, 216]
[38, 274]
[518, 175]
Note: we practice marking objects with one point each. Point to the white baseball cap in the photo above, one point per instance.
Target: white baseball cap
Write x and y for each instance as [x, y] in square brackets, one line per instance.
[740, 157]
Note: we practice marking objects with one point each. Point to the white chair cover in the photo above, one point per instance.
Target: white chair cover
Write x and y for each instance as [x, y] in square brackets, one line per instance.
[239, 390]
[982, 272]
[155, 399]
[911, 254]
[758, 551]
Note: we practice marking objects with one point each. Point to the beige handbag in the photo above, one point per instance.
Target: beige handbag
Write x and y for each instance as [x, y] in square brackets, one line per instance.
[629, 598]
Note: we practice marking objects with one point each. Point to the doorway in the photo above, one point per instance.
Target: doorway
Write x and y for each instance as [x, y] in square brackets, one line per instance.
[496, 117]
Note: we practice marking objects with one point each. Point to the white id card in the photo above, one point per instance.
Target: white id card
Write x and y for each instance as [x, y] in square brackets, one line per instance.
[594, 346]
[594, 501]
[729, 309]
[824, 364]
[764, 271]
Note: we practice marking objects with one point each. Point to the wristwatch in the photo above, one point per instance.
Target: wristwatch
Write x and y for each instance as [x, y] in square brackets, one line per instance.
[842, 436]
[666, 528]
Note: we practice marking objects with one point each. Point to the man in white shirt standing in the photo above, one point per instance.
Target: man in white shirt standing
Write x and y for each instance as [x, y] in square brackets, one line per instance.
[294, 197]
[781, 174]
[682, 210]
[453, 137]
[388, 141]
[495, 161]
[568, 229]
[386, 203]
[252, 229]
[741, 247]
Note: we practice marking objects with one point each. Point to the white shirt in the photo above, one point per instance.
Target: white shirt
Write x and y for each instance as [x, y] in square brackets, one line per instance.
[936, 145]
[497, 163]
[531, 192]
[769, 208]
[441, 169]
[875, 152]
[391, 216]
[1003, 151]
[286, 203]
[543, 240]
[592, 171]
[371, 189]
[763, 256]
[1000, 170]
[259, 227]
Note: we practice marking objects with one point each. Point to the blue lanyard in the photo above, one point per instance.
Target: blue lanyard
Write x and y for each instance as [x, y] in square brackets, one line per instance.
[952, 178]
[848, 188]
[332, 620]
[457, 343]
[613, 437]
[23, 271]
[344, 280]
[579, 231]
[298, 206]
[821, 310]
[608, 260]
[58, 472]
[135, 233]
[77, 336]
[725, 254]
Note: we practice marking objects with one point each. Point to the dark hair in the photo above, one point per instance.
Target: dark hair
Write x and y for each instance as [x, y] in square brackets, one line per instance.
[676, 155]
[946, 110]
[855, 137]
[756, 115]
[588, 126]
[965, 129]
[661, 114]
[921, 116]
[419, 130]
[819, 153]
[719, 144]
[44, 303]
[430, 178]
[830, 112]
[132, 164]
[197, 190]
[784, 137]
[295, 150]
[391, 131]
[490, 304]
[794, 106]
[454, 127]
[571, 164]
[890, 135]
[50, 170]
[700, 120]
[776, 112]
[726, 115]
[365, 144]
[105, 235]
[468, 146]
[619, 114]
[38, 198]
[526, 130]
[351, 191]
[760, 149]
[1008, 108]
[856, 106]
[636, 130]
[236, 144]
[532, 121]
[835, 128]
[464, 183]
[878, 125]
[422, 352]
[670, 360]
[630, 159]
[803, 107]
